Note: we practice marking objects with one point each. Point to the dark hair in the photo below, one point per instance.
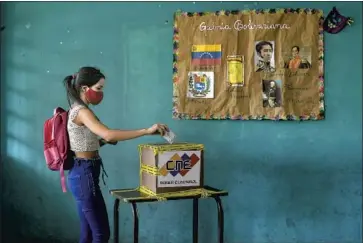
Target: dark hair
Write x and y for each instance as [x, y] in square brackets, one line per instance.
[86, 76]
[261, 44]
[298, 48]
[273, 81]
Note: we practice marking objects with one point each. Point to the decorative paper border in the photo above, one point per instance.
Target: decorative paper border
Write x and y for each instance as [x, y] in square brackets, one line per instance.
[183, 116]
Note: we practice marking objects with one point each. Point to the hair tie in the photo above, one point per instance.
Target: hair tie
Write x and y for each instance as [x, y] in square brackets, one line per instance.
[74, 76]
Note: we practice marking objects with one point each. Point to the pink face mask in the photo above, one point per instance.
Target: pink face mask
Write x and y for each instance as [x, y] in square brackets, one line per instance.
[94, 97]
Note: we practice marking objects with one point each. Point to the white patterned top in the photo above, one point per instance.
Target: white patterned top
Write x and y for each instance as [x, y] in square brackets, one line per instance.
[80, 137]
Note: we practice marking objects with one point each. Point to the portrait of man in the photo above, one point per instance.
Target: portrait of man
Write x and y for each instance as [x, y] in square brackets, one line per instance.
[271, 93]
[296, 61]
[264, 56]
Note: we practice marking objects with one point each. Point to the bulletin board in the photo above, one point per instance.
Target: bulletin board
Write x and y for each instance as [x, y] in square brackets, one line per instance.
[249, 65]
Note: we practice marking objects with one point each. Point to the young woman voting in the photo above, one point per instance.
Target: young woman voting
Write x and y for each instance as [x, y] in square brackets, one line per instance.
[84, 129]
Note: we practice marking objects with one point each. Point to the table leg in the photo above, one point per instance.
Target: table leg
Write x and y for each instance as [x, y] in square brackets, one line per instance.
[116, 220]
[136, 222]
[195, 220]
[220, 220]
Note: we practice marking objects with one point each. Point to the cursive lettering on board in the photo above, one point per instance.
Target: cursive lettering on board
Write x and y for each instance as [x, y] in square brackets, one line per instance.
[199, 101]
[302, 101]
[237, 93]
[239, 26]
[284, 73]
[298, 74]
[307, 101]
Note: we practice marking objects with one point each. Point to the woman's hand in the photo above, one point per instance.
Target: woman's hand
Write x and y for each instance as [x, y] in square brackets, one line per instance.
[157, 129]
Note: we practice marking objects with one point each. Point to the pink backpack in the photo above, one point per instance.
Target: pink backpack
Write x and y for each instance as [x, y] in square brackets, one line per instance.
[57, 153]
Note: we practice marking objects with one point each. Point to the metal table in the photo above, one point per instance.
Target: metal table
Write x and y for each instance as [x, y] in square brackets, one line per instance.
[134, 196]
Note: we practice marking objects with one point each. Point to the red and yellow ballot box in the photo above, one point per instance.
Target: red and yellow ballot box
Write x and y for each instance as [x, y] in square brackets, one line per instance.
[168, 168]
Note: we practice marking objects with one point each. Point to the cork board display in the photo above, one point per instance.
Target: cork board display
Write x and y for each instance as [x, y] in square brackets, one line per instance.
[249, 65]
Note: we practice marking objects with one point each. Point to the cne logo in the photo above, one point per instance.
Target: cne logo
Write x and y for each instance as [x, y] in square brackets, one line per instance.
[179, 165]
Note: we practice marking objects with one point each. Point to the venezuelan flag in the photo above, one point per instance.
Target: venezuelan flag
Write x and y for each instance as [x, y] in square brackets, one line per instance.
[207, 55]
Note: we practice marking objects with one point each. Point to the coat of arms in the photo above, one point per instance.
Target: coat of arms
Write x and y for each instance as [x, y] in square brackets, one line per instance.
[201, 85]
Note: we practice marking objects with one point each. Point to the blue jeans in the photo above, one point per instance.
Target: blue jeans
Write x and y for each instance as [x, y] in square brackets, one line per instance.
[83, 181]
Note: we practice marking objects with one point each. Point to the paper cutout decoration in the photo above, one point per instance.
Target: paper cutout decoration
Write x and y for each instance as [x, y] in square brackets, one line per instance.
[206, 55]
[235, 71]
[201, 85]
[335, 22]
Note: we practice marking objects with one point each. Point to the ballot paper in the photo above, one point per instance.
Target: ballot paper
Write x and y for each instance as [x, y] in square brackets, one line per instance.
[169, 136]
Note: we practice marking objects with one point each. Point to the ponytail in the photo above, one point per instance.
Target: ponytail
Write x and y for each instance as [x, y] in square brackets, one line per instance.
[72, 93]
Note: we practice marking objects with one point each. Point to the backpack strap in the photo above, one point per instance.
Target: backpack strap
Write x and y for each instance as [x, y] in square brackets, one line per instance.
[63, 179]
